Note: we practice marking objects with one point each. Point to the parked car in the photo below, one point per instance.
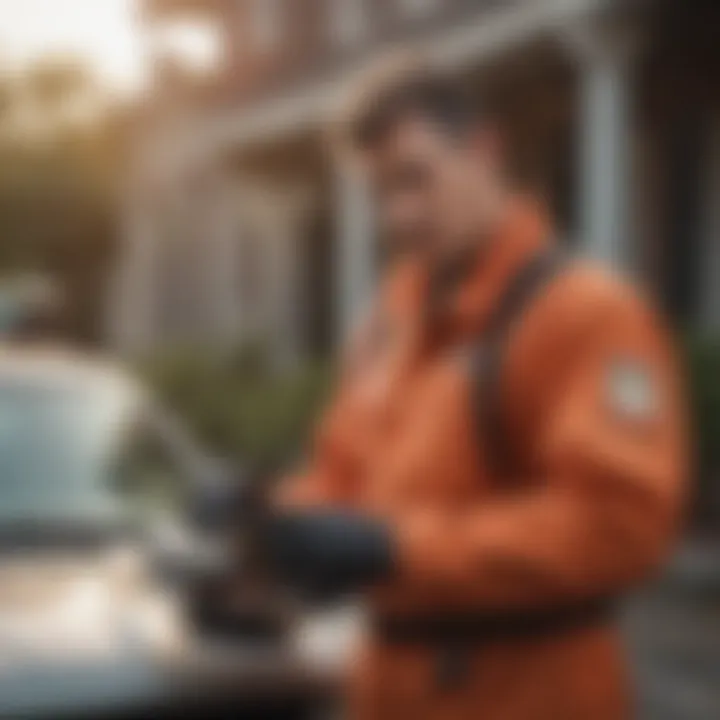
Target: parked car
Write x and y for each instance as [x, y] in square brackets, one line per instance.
[99, 565]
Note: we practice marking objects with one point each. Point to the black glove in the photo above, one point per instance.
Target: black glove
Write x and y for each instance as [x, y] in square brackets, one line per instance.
[328, 553]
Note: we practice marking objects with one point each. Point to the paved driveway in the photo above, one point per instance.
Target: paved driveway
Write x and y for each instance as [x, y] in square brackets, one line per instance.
[674, 638]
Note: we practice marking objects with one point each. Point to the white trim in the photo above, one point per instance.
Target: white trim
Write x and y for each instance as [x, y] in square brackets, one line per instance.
[131, 302]
[355, 232]
[605, 160]
[492, 32]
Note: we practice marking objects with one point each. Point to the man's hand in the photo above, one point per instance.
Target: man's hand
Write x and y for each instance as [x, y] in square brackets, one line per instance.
[328, 553]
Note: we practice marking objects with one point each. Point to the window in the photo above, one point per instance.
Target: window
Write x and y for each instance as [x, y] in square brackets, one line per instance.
[266, 23]
[418, 7]
[348, 21]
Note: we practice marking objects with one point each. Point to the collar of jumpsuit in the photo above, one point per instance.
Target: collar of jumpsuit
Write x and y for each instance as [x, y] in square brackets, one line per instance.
[466, 302]
[427, 314]
[424, 331]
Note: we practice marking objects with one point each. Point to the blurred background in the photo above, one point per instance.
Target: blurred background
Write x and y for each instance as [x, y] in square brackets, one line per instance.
[167, 200]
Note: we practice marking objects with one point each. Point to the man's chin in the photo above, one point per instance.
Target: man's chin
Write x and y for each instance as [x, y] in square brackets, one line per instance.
[445, 251]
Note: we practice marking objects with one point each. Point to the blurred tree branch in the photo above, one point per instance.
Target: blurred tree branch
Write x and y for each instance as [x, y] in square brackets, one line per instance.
[62, 146]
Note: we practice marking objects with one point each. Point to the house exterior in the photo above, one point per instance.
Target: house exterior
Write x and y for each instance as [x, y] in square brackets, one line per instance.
[238, 228]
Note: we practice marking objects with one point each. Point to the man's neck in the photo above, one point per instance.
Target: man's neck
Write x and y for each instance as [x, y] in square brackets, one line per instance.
[494, 218]
[488, 229]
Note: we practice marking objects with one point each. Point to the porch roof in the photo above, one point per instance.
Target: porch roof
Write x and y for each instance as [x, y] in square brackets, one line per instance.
[495, 31]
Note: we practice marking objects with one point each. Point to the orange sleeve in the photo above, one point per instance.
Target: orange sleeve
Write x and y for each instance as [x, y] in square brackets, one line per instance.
[330, 475]
[602, 509]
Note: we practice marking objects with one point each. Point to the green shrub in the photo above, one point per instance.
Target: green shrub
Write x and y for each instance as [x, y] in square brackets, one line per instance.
[703, 371]
[242, 410]
[236, 405]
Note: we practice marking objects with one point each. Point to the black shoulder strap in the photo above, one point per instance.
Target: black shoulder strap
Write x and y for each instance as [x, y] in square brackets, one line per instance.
[490, 350]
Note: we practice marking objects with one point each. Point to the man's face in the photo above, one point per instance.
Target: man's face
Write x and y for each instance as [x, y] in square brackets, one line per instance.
[431, 188]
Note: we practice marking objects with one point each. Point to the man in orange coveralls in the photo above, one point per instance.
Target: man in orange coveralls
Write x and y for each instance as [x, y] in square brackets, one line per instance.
[506, 452]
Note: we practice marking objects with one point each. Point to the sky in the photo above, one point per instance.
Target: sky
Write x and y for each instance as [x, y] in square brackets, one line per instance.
[103, 32]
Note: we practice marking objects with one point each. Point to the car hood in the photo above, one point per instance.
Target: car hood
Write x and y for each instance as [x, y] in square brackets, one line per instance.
[62, 608]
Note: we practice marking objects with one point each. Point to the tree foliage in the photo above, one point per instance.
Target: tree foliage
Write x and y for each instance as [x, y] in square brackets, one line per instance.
[61, 151]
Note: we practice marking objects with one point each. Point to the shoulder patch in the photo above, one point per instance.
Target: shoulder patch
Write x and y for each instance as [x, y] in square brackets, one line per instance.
[631, 391]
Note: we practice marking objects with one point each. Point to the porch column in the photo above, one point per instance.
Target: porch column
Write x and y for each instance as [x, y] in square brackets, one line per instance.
[286, 224]
[605, 57]
[221, 225]
[130, 314]
[355, 273]
[274, 218]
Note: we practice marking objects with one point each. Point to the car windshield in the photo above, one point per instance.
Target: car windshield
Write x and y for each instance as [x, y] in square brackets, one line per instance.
[56, 443]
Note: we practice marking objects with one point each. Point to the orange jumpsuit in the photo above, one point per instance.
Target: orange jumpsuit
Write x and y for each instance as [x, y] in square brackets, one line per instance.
[591, 396]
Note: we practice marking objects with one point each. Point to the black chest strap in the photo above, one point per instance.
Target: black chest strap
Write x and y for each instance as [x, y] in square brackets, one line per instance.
[489, 354]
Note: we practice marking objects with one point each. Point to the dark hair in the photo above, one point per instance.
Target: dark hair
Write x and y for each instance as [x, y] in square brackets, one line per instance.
[418, 90]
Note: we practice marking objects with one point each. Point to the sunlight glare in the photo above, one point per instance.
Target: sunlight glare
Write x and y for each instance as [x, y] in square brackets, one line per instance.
[102, 33]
